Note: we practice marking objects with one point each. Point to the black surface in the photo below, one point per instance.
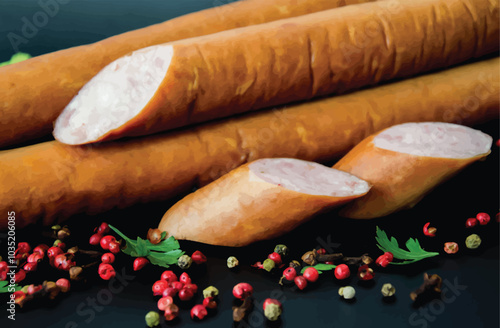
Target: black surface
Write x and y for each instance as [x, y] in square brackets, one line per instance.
[474, 190]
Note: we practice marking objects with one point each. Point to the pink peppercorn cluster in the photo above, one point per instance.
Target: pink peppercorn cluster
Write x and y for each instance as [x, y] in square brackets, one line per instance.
[244, 292]
[170, 286]
[481, 219]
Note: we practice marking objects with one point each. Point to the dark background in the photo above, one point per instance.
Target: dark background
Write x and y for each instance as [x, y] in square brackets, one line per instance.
[476, 189]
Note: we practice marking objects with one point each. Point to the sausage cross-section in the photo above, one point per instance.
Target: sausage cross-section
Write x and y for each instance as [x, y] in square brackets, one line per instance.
[260, 200]
[406, 161]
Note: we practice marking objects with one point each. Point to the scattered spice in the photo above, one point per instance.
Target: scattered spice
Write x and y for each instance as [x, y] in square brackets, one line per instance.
[268, 265]
[163, 302]
[365, 272]
[473, 241]
[471, 222]
[198, 257]
[275, 257]
[281, 250]
[311, 274]
[171, 312]
[363, 259]
[483, 218]
[232, 262]
[300, 282]
[169, 276]
[240, 312]
[429, 231]
[152, 319]
[199, 312]
[184, 262]
[309, 258]
[388, 290]
[272, 309]
[342, 271]
[242, 290]
[431, 283]
[210, 291]
[209, 303]
[155, 236]
[139, 263]
[384, 259]
[347, 292]
[451, 247]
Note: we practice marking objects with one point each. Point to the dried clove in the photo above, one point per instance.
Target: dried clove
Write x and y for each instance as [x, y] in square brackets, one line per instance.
[239, 312]
[309, 258]
[328, 257]
[361, 260]
[431, 283]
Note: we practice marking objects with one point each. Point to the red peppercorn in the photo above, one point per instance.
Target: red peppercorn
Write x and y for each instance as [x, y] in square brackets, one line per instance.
[41, 249]
[329, 262]
[242, 290]
[64, 262]
[430, 232]
[171, 312]
[163, 302]
[300, 281]
[365, 272]
[108, 258]
[95, 239]
[198, 311]
[184, 278]
[33, 289]
[342, 271]
[209, 303]
[103, 229]
[169, 276]
[114, 247]
[140, 262]
[106, 240]
[60, 244]
[3, 275]
[483, 218]
[170, 291]
[289, 273]
[471, 222]
[384, 259]
[193, 287]
[497, 143]
[177, 285]
[63, 284]
[275, 257]
[3, 266]
[321, 251]
[30, 266]
[23, 247]
[159, 286]
[451, 247]
[19, 296]
[54, 251]
[311, 274]
[185, 294]
[34, 258]
[198, 257]
[19, 276]
[106, 271]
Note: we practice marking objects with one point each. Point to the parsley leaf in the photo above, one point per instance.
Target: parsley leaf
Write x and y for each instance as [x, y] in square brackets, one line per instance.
[320, 267]
[164, 253]
[4, 287]
[415, 253]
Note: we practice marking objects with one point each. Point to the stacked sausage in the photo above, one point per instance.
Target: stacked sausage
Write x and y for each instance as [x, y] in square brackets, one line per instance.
[206, 77]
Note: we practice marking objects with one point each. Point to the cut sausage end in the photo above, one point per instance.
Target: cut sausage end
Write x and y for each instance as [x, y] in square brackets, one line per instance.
[308, 177]
[434, 139]
[118, 93]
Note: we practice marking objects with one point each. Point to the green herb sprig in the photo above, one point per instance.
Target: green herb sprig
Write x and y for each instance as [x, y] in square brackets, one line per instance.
[164, 254]
[415, 252]
[4, 287]
[320, 267]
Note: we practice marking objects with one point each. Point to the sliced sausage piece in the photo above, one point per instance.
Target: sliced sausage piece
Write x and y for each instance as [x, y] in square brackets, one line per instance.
[406, 161]
[329, 52]
[260, 200]
[34, 92]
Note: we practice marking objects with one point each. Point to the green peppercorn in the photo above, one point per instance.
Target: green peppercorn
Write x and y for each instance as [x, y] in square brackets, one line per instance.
[232, 262]
[210, 291]
[152, 319]
[269, 265]
[184, 262]
[473, 241]
[56, 227]
[56, 242]
[25, 289]
[281, 249]
[388, 290]
[272, 311]
[348, 292]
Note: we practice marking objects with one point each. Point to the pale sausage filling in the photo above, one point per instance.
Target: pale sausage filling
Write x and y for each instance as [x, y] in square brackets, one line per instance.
[308, 177]
[434, 139]
[114, 96]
